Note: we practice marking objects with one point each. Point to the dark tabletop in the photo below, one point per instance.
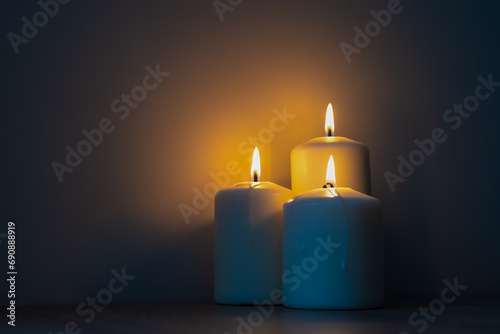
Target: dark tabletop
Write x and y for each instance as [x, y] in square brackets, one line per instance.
[462, 316]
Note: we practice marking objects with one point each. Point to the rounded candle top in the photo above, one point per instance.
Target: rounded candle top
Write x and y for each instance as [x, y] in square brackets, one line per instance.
[330, 189]
[316, 196]
[257, 185]
[329, 135]
[333, 139]
[255, 177]
[329, 144]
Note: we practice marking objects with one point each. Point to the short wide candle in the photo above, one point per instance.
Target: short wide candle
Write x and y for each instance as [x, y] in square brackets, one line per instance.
[352, 161]
[248, 242]
[332, 250]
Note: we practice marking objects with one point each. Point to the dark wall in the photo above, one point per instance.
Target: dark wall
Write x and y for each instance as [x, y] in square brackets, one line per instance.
[121, 206]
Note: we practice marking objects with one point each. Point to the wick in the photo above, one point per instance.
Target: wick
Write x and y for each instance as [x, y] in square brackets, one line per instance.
[255, 177]
[328, 185]
[330, 132]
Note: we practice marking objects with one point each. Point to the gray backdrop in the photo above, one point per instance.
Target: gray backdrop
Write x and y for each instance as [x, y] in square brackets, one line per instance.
[120, 206]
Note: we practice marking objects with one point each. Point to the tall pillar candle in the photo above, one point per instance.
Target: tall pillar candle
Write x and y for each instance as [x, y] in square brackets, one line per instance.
[352, 161]
[332, 249]
[248, 240]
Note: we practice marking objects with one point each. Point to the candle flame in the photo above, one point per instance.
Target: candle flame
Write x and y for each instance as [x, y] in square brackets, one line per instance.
[330, 172]
[329, 124]
[255, 170]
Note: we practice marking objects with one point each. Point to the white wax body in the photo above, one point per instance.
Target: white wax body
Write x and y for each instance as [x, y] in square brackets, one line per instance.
[309, 161]
[248, 242]
[345, 269]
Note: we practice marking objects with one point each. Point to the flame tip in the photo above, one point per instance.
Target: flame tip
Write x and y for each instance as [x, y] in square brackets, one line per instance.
[330, 172]
[255, 170]
[329, 124]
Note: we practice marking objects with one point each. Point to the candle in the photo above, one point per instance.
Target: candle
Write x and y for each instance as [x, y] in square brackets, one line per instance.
[351, 158]
[332, 249]
[248, 239]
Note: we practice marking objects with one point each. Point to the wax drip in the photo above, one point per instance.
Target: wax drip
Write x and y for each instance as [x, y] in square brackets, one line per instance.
[345, 243]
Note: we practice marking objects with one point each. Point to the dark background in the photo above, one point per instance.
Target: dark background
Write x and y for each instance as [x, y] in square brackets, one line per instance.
[120, 207]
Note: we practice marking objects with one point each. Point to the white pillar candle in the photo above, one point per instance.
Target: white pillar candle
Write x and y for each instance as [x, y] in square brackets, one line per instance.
[248, 240]
[332, 249]
[352, 161]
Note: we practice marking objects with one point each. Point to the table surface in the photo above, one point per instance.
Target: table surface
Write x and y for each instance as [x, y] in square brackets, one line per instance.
[462, 316]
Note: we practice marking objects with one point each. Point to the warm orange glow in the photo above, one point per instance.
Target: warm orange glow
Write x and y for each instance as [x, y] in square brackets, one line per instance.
[255, 171]
[329, 125]
[330, 172]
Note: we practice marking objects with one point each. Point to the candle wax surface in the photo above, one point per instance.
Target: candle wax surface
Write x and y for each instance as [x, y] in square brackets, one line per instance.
[248, 242]
[334, 236]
